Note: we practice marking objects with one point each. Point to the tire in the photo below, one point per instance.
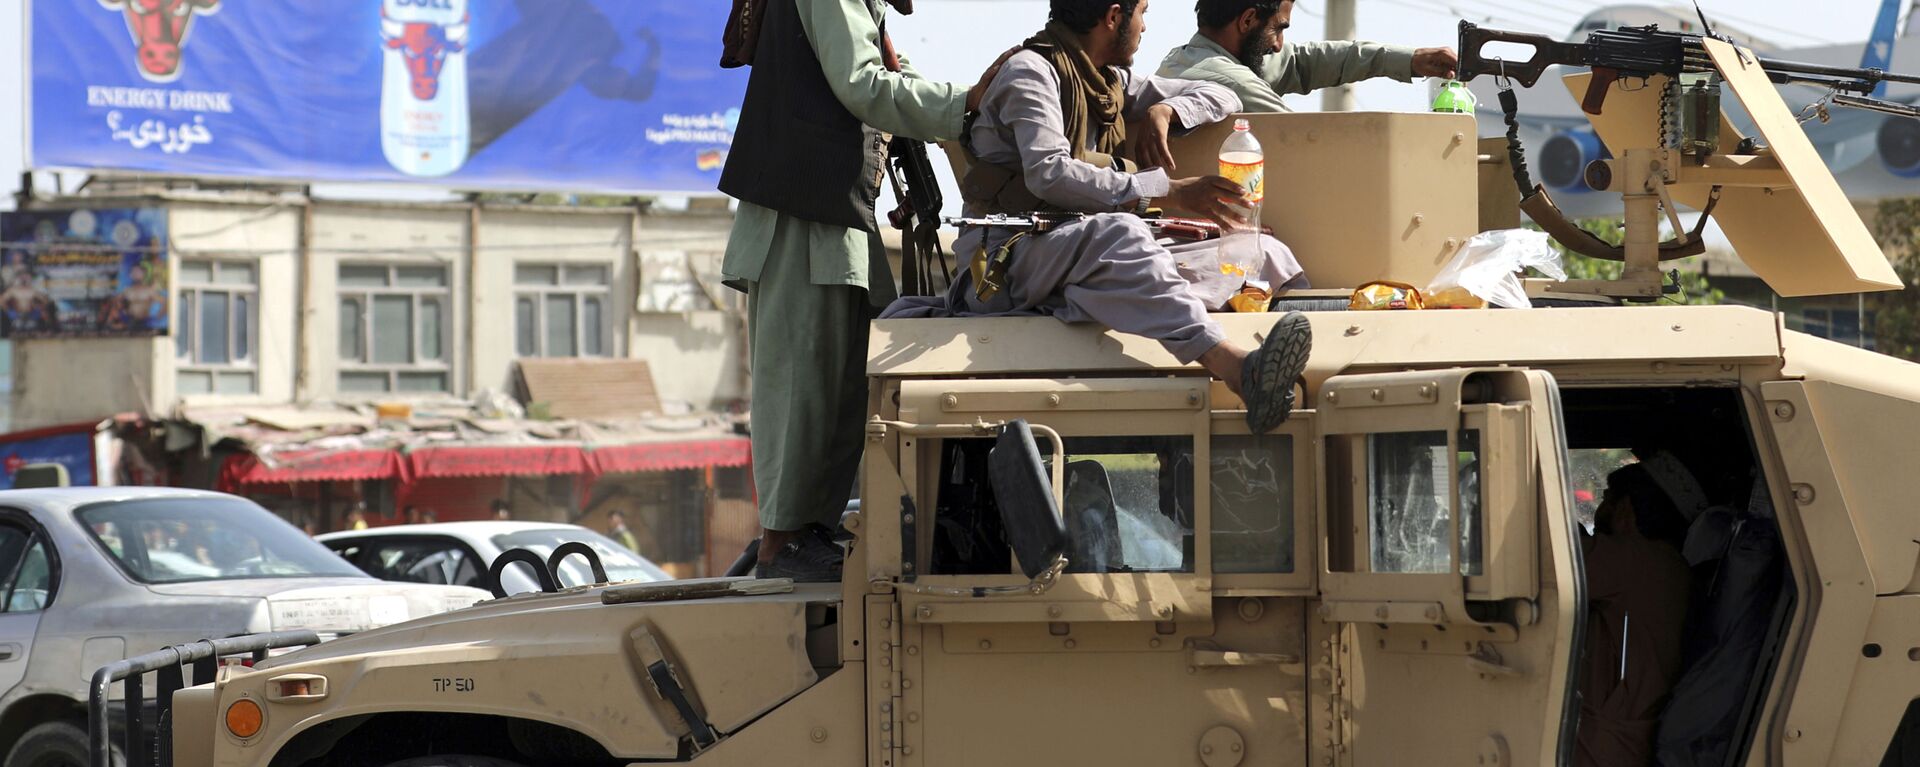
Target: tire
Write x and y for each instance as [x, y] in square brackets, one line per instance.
[52, 744]
[450, 760]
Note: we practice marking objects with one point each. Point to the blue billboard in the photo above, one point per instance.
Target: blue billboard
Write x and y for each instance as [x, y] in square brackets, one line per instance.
[577, 95]
[69, 446]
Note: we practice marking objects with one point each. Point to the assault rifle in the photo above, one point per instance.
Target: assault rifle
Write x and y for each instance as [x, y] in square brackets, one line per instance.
[918, 214]
[1642, 52]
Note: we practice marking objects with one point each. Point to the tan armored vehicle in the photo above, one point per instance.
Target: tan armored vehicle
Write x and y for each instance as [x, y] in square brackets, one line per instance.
[1395, 577]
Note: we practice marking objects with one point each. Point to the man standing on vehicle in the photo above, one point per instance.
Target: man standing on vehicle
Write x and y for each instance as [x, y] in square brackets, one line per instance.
[1241, 44]
[805, 164]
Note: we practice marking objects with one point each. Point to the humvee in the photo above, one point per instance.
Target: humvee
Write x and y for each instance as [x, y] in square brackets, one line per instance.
[1395, 576]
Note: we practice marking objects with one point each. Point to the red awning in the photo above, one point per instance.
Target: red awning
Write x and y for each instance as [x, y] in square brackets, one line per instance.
[498, 461]
[312, 466]
[668, 456]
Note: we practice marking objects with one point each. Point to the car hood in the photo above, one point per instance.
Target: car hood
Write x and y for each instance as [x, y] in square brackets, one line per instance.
[334, 605]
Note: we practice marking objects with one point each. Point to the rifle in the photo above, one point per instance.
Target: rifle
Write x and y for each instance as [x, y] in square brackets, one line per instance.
[1642, 52]
[918, 214]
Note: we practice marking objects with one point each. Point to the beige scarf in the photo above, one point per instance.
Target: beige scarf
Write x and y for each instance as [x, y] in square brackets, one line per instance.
[1091, 97]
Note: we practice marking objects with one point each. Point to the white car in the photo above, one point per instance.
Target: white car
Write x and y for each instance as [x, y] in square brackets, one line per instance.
[92, 575]
[461, 553]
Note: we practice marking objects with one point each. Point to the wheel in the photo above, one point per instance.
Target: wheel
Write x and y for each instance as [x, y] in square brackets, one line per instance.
[53, 744]
[450, 760]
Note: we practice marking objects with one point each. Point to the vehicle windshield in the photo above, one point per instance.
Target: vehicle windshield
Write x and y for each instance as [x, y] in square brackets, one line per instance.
[621, 564]
[175, 540]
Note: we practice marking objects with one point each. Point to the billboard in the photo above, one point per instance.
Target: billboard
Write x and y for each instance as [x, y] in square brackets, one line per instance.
[576, 95]
[69, 446]
[76, 273]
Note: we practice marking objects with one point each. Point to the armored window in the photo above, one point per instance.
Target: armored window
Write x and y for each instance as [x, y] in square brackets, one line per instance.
[560, 310]
[1408, 512]
[395, 326]
[1251, 481]
[216, 334]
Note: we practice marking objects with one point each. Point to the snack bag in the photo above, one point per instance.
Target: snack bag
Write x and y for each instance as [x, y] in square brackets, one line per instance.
[1384, 294]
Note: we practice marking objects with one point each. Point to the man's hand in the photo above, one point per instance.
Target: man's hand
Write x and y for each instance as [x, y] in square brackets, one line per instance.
[1214, 198]
[979, 89]
[1435, 62]
[1151, 150]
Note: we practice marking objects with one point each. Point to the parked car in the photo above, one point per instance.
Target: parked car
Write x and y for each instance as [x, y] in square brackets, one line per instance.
[91, 575]
[462, 552]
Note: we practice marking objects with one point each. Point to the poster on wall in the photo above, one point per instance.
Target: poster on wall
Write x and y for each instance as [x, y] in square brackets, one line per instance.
[565, 95]
[86, 272]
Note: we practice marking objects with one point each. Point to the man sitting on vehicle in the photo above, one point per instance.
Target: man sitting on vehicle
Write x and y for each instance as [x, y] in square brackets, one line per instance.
[1241, 44]
[1047, 138]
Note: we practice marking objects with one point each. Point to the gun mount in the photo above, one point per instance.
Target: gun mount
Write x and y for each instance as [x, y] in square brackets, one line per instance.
[1654, 98]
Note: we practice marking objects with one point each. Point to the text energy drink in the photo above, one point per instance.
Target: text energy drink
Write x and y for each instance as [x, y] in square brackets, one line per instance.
[423, 89]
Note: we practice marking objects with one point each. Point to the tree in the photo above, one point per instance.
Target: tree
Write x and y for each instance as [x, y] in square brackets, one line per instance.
[1695, 288]
[1896, 326]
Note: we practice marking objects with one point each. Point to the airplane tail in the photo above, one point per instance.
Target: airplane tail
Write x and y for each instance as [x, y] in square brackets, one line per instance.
[1879, 51]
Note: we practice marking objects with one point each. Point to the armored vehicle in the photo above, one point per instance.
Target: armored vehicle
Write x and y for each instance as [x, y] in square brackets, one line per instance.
[1071, 551]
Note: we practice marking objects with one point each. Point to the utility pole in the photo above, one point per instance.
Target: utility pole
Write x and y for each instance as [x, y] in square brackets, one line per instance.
[1342, 24]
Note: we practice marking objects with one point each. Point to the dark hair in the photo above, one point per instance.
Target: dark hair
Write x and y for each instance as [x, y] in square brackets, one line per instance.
[1654, 514]
[1082, 15]
[1214, 14]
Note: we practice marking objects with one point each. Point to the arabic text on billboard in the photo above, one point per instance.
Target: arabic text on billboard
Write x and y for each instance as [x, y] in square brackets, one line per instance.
[83, 272]
[590, 95]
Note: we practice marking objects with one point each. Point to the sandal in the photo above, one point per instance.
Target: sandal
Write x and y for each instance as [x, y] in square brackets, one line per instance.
[1268, 375]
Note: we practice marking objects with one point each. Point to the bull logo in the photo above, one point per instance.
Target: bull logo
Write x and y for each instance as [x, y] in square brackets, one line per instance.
[425, 46]
[159, 28]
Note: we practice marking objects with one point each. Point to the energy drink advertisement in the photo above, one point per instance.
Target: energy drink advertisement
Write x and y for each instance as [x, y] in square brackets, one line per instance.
[618, 96]
[424, 126]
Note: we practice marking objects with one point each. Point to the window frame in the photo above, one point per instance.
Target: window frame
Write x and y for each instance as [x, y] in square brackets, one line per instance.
[369, 543]
[394, 372]
[36, 533]
[539, 293]
[188, 302]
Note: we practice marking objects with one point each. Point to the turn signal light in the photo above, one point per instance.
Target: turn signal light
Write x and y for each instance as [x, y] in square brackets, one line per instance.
[244, 718]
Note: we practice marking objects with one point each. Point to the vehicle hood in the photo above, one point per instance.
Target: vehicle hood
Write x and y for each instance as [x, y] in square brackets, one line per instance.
[334, 605]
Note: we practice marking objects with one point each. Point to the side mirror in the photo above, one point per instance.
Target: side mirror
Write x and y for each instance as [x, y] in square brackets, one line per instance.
[1026, 501]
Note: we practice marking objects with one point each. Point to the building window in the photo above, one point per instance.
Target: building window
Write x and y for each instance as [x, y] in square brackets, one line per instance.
[215, 333]
[560, 310]
[394, 326]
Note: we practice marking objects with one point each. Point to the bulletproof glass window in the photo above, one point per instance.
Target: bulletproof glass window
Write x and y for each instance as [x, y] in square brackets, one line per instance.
[1129, 507]
[1251, 486]
[1411, 502]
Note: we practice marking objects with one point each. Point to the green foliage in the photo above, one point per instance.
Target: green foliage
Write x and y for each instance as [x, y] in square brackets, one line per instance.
[1695, 289]
[1896, 327]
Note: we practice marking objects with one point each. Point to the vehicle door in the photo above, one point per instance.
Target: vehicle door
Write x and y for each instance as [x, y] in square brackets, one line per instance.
[1449, 568]
[1181, 611]
[28, 574]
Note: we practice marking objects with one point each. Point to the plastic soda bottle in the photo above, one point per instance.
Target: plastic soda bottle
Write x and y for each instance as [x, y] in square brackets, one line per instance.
[1454, 97]
[423, 90]
[1243, 163]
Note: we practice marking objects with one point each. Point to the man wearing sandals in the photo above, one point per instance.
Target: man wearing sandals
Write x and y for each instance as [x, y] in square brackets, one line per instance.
[1047, 138]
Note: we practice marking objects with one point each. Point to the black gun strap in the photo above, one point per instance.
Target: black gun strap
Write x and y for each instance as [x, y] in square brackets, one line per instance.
[1516, 154]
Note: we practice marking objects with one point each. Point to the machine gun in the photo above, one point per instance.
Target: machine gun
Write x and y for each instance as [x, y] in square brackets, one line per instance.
[1642, 52]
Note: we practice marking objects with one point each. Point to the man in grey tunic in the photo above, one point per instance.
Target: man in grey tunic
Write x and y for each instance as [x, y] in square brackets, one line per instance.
[805, 166]
[1242, 45]
[1045, 139]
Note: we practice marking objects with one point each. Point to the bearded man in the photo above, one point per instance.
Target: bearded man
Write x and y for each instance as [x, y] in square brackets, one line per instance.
[1242, 45]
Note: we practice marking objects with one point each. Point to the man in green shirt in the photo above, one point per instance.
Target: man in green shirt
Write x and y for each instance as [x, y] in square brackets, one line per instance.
[1242, 45]
[804, 166]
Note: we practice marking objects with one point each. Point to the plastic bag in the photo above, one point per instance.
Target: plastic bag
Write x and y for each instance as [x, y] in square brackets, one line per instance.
[1383, 295]
[1486, 270]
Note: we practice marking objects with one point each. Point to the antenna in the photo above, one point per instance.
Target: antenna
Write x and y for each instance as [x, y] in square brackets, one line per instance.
[1706, 27]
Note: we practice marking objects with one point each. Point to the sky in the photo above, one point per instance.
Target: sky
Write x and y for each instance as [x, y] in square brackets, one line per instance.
[954, 39]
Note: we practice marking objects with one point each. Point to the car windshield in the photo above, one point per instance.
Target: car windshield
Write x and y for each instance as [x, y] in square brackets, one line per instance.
[621, 564]
[173, 540]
